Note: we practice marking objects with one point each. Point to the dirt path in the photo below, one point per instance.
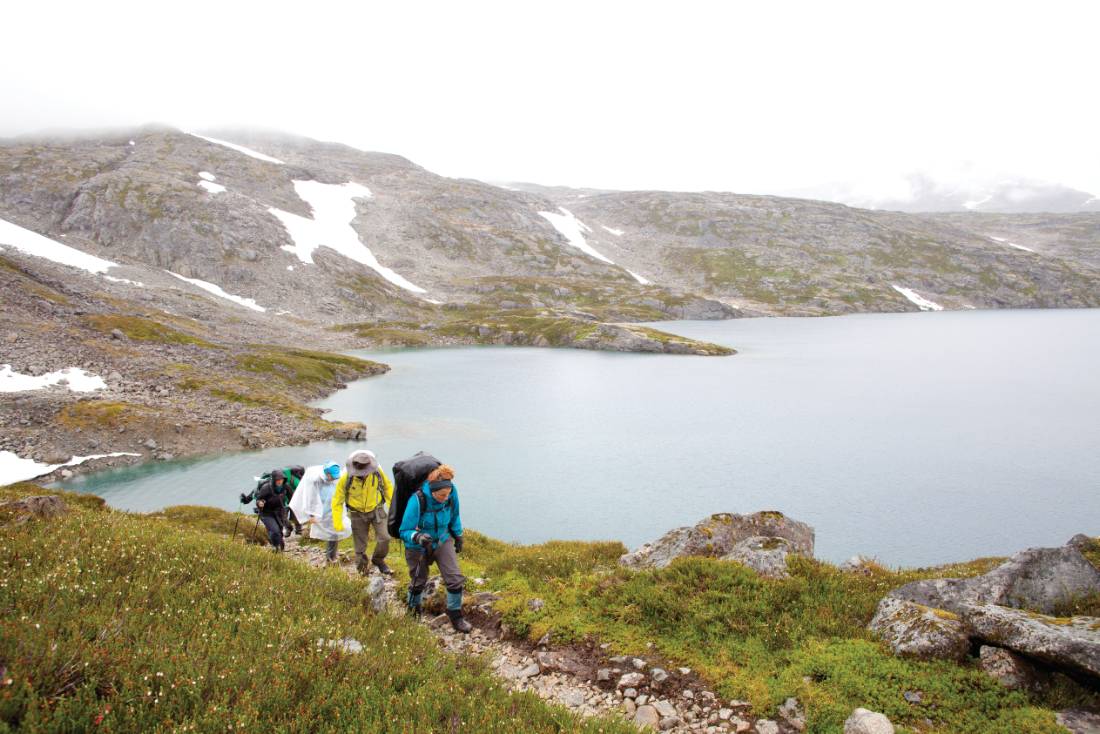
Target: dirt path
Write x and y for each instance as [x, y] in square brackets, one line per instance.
[587, 682]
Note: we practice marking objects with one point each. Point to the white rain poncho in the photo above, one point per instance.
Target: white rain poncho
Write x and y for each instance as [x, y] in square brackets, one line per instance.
[313, 499]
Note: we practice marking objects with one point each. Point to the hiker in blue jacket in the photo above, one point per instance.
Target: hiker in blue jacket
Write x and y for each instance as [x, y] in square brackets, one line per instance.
[432, 531]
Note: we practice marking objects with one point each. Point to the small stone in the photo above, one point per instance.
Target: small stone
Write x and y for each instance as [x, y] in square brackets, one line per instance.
[684, 671]
[117, 334]
[863, 721]
[149, 444]
[544, 640]
[724, 714]
[646, 717]
[912, 696]
[536, 604]
[791, 714]
[528, 672]
[638, 664]
[630, 693]
[641, 699]
[66, 474]
[658, 675]
[665, 709]
[629, 707]
[631, 680]
[603, 675]
[688, 694]
[766, 726]
[573, 699]
[669, 722]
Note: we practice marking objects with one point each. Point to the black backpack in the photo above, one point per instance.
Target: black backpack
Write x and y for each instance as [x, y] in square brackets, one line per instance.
[408, 476]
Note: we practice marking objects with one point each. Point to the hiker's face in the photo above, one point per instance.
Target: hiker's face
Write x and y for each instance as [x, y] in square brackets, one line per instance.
[441, 495]
[279, 482]
[361, 466]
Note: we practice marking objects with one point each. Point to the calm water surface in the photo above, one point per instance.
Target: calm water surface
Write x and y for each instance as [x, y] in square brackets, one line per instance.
[916, 438]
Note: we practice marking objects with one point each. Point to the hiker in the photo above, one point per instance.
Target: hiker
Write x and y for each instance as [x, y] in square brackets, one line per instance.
[364, 488]
[269, 503]
[432, 531]
[312, 502]
[293, 476]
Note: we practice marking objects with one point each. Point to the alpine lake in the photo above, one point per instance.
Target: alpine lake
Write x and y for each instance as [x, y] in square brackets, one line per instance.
[916, 439]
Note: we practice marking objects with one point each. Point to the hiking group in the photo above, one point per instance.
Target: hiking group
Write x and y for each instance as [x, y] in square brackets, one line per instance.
[333, 503]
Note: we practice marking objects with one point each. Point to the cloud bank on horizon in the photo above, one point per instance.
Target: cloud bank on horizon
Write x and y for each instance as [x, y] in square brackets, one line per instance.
[786, 97]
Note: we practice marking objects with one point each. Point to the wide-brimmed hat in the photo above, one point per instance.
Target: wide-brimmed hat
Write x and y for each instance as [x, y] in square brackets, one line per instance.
[361, 463]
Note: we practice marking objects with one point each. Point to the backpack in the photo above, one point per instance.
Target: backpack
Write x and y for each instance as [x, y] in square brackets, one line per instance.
[408, 475]
[378, 487]
[292, 474]
[423, 502]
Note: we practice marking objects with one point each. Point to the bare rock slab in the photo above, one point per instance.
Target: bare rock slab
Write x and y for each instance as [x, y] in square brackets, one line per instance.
[1064, 642]
[719, 535]
[33, 508]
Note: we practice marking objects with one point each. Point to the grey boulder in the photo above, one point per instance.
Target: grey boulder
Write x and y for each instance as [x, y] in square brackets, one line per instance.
[916, 631]
[718, 535]
[765, 555]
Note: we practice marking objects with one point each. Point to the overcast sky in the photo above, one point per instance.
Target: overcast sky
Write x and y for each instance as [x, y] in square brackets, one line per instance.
[760, 97]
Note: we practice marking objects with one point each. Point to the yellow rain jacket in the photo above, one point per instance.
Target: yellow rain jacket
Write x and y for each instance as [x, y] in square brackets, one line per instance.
[363, 494]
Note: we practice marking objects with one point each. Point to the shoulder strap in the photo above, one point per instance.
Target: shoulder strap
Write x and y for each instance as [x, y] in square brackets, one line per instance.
[378, 486]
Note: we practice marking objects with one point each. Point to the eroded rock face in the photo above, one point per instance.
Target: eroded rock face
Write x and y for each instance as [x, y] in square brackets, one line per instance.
[1070, 642]
[1079, 722]
[1038, 579]
[718, 536]
[916, 631]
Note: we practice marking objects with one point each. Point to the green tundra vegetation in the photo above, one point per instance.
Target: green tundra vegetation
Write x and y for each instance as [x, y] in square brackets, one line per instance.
[160, 622]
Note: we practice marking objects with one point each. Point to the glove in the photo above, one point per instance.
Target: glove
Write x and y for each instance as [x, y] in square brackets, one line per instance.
[423, 540]
[245, 498]
[458, 544]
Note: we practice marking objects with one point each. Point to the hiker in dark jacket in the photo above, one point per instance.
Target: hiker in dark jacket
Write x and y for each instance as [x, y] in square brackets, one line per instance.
[270, 501]
[293, 475]
[434, 533]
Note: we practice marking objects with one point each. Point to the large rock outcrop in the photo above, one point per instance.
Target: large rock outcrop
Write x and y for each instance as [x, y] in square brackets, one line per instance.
[1038, 579]
[1008, 607]
[720, 535]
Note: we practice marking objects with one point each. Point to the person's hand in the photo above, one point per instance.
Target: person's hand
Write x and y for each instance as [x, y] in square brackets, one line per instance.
[458, 544]
[423, 540]
[312, 521]
[245, 499]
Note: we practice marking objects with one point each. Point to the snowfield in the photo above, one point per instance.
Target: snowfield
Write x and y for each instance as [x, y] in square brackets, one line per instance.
[920, 301]
[573, 230]
[239, 149]
[638, 278]
[17, 469]
[35, 244]
[74, 378]
[1003, 241]
[612, 230]
[217, 291]
[333, 212]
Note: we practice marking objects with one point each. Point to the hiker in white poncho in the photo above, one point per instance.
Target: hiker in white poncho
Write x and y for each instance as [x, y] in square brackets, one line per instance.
[312, 504]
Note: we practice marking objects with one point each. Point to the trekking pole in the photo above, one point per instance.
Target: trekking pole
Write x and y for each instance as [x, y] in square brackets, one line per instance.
[234, 535]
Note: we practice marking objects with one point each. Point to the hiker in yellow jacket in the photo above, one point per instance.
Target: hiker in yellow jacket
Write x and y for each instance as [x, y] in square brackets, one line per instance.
[364, 488]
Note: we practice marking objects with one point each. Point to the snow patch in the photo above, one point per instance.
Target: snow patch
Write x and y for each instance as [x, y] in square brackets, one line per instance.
[14, 468]
[213, 188]
[612, 230]
[35, 244]
[573, 230]
[333, 212]
[1003, 241]
[113, 279]
[638, 278]
[920, 301]
[217, 291]
[132, 143]
[239, 149]
[74, 378]
[434, 302]
[290, 267]
[207, 176]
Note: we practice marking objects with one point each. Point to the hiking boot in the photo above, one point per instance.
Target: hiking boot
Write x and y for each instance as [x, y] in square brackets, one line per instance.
[459, 624]
[383, 568]
[287, 531]
[415, 611]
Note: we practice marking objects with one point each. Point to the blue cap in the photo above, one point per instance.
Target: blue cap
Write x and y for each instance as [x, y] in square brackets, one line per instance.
[332, 469]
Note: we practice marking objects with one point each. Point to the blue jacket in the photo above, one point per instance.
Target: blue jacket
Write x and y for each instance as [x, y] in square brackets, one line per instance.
[438, 520]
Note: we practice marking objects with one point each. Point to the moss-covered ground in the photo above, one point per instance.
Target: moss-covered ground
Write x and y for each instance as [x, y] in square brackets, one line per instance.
[130, 623]
[156, 622]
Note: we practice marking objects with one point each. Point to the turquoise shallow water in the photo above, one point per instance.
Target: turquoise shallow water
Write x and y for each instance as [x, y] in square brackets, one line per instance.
[916, 438]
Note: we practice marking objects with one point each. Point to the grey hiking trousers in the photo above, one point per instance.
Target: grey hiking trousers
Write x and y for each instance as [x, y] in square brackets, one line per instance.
[361, 524]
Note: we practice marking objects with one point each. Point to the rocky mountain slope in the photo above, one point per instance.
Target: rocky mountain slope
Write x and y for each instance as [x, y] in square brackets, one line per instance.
[784, 256]
[182, 269]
